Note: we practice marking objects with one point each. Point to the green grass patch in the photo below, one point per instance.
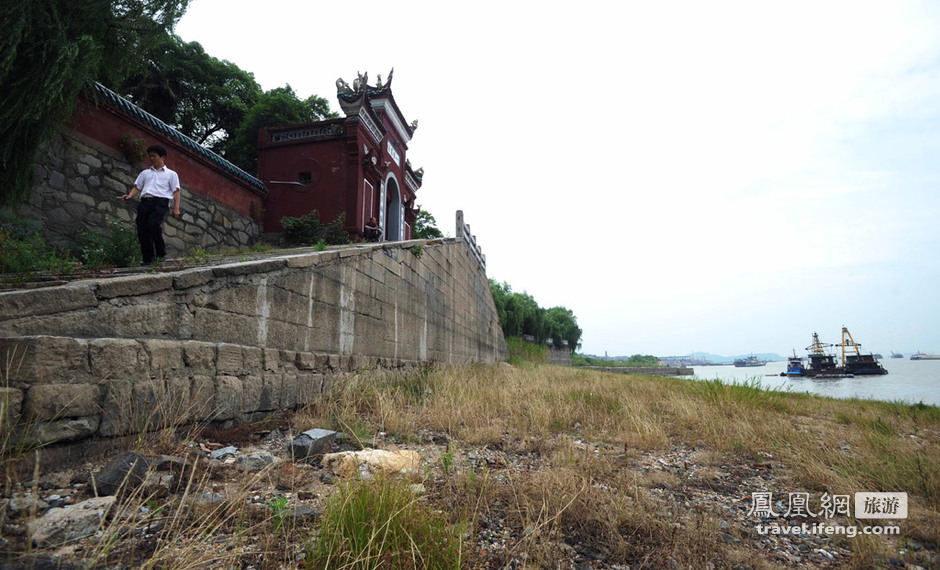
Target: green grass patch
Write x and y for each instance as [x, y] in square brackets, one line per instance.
[378, 523]
[522, 352]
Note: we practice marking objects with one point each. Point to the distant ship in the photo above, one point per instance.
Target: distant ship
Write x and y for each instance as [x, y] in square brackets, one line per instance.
[748, 362]
[921, 356]
[896, 354]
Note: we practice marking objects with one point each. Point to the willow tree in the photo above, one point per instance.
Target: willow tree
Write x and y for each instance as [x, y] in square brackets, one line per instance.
[49, 51]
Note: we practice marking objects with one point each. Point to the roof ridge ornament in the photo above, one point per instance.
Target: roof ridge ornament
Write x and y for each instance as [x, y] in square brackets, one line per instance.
[351, 98]
[361, 85]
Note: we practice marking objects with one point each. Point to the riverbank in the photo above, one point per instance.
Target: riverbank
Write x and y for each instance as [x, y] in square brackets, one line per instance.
[529, 466]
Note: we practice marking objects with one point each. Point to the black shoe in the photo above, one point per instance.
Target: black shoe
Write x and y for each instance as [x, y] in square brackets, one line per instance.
[146, 264]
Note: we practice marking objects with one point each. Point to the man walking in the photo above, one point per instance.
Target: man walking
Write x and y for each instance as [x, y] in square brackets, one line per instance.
[157, 186]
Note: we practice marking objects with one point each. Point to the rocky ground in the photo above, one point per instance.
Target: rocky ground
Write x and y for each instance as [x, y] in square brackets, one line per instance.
[270, 477]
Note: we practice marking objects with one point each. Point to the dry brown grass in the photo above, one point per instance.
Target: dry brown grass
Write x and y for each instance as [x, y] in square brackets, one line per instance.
[815, 444]
[548, 462]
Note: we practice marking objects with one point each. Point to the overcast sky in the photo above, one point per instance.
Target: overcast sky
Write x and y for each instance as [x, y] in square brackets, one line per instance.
[726, 177]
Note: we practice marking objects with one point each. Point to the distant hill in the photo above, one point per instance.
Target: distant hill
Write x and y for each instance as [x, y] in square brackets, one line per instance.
[706, 356]
[719, 359]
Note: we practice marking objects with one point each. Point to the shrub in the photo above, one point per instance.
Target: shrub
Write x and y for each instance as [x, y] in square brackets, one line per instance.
[134, 149]
[24, 256]
[522, 351]
[308, 229]
[117, 247]
[637, 360]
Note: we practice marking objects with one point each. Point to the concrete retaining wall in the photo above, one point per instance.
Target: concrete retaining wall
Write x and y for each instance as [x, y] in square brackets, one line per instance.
[96, 357]
[560, 356]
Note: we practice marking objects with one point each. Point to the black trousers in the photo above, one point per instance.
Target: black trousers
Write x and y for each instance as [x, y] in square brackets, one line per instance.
[150, 215]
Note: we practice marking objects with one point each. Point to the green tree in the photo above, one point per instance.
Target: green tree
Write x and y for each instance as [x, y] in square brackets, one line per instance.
[275, 108]
[643, 360]
[425, 226]
[563, 326]
[518, 313]
[49, 51]
[205, 98]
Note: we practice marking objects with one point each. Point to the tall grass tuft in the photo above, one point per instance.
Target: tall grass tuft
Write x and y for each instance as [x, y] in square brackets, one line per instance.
[522, 352]
[379, 524]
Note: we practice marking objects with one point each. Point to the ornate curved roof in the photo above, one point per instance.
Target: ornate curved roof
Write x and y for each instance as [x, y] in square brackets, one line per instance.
[133, 111]
[353, 99]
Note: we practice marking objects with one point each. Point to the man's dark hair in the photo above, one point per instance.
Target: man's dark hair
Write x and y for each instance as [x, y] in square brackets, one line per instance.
[157, 149]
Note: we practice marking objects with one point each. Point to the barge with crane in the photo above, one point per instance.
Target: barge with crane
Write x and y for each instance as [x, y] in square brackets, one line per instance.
[822, 363]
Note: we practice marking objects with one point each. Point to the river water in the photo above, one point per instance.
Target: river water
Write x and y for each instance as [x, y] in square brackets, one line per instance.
[909, 381]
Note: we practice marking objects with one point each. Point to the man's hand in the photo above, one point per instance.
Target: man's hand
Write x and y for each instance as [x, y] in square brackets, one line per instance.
[176, 211]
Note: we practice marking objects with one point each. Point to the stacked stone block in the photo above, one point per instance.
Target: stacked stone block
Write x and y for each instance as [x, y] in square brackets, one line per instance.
[65, 389]
[118, 356]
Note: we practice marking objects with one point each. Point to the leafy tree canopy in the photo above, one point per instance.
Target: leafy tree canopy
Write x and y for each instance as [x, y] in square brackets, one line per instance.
[563, 326]
[637, 360]
[203, 97]
[520, 315]
[49, 50]
[275, 108]
[425, 226]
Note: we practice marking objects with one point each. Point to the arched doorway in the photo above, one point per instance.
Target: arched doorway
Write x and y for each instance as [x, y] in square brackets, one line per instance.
[395, 215]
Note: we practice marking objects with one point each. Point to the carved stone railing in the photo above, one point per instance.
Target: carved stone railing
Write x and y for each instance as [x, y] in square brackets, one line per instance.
[463, 233]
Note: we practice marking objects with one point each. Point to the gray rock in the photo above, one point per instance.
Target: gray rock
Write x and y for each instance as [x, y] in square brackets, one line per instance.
[311, 442]
[72, 429]
[255, 461]
[128, 469]
[70, 523]
[223, 452]
[169, 463]
[304, 512]
[210, 498]
[22, 505]
[159, 484]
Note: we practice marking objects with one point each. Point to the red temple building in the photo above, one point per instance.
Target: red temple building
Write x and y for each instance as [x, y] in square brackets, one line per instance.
[357, 164]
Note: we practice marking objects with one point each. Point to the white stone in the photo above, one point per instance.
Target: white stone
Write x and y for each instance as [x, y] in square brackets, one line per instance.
[70, 523]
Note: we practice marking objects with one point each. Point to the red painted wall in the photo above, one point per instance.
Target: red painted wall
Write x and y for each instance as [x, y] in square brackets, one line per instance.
[331, 172]
[338, 169]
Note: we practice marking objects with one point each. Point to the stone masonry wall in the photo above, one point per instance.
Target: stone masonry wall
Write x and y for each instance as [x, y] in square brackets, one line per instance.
[109, 357]
[77, 187]
[560, 356]
[68, 389]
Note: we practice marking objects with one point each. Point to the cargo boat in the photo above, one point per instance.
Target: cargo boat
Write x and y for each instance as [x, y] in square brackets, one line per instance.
[854, 362]
[748, 362]
[795, 366]
[921, 356]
